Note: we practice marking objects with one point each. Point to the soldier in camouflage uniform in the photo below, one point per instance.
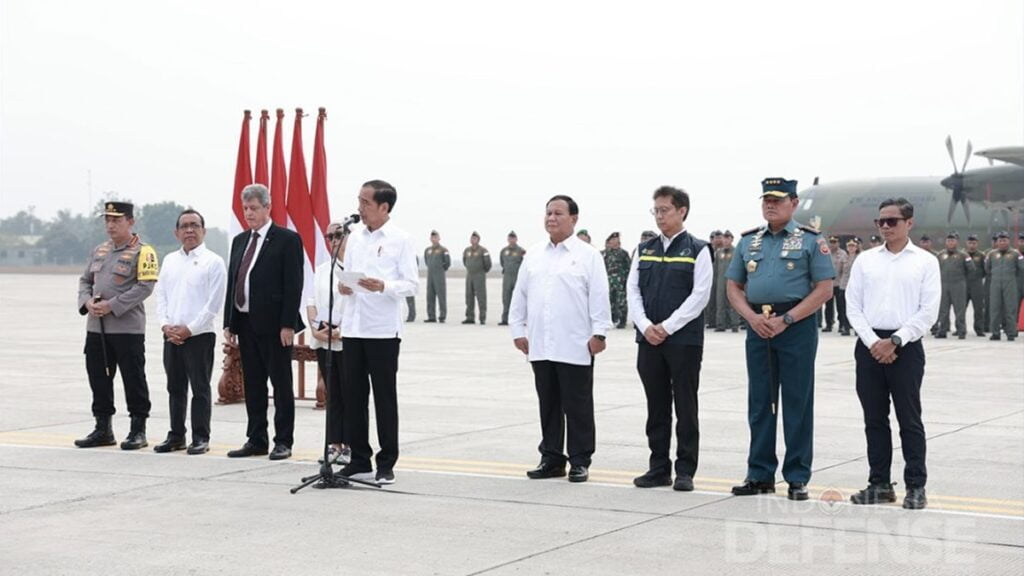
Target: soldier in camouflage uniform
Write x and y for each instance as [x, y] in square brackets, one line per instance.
[711, 310]
[976, 284]
[121, 273]
[511, 259]
[477, 261]
[955, 267]
[616, 263]
[438, 260]
[1002, 266]
[727, 317]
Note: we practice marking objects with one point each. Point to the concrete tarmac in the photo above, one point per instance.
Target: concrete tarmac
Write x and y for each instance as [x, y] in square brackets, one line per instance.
[462, 503]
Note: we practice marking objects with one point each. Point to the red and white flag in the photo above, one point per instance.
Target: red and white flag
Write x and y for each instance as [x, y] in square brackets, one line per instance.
[318, 190]
[262, 171]
[300, 209]
[279, 177]
[243, 177]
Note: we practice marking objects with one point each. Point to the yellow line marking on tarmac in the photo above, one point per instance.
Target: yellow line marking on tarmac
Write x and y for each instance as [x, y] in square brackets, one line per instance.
[1003, 507]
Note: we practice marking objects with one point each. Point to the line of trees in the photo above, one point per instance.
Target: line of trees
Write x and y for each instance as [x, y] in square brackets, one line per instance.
[69, 238]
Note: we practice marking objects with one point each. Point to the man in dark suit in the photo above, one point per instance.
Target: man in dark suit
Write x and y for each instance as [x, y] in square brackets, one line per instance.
[261, 315]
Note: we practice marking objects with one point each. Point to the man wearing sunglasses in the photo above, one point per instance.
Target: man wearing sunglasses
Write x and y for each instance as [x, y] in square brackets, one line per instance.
[781, 276]
[892, 299]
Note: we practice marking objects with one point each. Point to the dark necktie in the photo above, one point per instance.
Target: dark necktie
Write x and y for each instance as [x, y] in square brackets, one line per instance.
[243, 271]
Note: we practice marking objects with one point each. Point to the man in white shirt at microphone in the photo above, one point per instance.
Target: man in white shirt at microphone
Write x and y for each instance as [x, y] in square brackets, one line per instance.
[371, 330]
[892, 300]
[189, 295]
[559, 316]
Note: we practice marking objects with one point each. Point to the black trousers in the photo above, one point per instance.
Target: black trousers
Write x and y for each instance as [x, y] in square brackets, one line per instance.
[371, 361]
[671, 373]
[190, 363]
[901, 380]
[333, 385]
[836, 304]
[124, 351]
[263, 357]
[566, 395]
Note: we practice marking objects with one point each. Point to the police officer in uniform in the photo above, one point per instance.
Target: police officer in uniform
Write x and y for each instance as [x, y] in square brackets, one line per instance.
[954, 268]
[781, 275]
[438, 260]
[727, 317]
[477, 261]
[121, 274]
[976, 284]
[616, 263]
[1002, 266]
[511, 259]
[875, 240]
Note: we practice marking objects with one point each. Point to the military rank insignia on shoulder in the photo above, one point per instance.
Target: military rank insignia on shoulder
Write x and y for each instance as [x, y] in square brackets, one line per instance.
[749, 232]
[810, 229]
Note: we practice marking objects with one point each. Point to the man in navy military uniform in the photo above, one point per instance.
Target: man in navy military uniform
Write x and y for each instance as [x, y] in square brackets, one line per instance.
[781, 276]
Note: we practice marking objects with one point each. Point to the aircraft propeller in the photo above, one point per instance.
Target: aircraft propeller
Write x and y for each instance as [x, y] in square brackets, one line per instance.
[955, 182]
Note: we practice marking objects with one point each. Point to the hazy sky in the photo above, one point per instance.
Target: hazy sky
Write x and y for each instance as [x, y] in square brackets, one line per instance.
[479, 111]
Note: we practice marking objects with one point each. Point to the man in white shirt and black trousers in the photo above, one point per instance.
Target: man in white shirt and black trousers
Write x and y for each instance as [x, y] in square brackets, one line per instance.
[668, 288]
[188, 297]
[892, 300]
[371, 330]
[559, 316]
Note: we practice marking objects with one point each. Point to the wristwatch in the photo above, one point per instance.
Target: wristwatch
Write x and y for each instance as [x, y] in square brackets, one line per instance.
[896, 340]
[787, 319]
[599, 337]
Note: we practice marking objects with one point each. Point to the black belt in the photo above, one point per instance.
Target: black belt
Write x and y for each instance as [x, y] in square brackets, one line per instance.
[778, 308]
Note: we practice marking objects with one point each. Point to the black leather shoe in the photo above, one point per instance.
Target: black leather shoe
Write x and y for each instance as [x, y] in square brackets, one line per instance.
[683, 483]
[940, 336]
[1011, 338]
[429, 321]
[578, 474]
[102, 435]
[502, 323]
[751, 487]
[137, 436]
[280, 452]
[915, 499]
[994, 337]
[719, 329]
[546, 470]
[468, 321]
[198, 447]
[875, 493]
[247, 449]
[652, 479]
[797, 491]
[169, 445]
[961, 336]
[826, 329]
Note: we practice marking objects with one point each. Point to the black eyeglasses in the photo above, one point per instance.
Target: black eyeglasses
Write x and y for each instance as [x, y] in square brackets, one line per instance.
[888, 222]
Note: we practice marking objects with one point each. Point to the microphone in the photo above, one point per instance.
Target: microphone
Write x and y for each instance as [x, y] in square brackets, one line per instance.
[353, 219]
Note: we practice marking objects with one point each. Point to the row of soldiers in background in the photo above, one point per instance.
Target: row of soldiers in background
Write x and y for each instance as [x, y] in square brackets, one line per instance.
[992, 281]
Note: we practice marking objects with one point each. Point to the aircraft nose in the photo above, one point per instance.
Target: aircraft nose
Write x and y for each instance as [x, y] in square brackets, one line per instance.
[951, 182]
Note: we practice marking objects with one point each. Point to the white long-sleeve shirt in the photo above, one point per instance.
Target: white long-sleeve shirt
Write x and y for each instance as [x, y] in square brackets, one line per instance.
[893, 292]
[703, 276]
[560, 301]
[191, 288]
[322, 287]
[387, 254]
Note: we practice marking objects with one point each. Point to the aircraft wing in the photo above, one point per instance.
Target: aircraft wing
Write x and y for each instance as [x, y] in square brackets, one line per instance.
[1008, 154]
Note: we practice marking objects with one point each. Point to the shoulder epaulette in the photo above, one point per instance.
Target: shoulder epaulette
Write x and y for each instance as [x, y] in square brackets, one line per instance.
[749, 232]
[810, 229]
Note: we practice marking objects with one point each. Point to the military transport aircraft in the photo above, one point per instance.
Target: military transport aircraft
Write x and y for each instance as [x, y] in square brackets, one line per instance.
[992, 199]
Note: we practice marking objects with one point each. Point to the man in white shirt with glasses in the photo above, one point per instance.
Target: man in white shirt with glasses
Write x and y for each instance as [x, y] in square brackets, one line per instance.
[892, 300]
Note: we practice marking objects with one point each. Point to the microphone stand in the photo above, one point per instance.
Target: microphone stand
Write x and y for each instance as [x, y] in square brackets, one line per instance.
[326, 478]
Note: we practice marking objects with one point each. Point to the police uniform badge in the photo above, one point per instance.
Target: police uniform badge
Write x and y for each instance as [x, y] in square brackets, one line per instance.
[751, 266]
[790, 265]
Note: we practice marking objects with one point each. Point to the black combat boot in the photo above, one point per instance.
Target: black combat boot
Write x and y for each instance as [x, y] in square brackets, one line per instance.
[137, 436]
[102, 435]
